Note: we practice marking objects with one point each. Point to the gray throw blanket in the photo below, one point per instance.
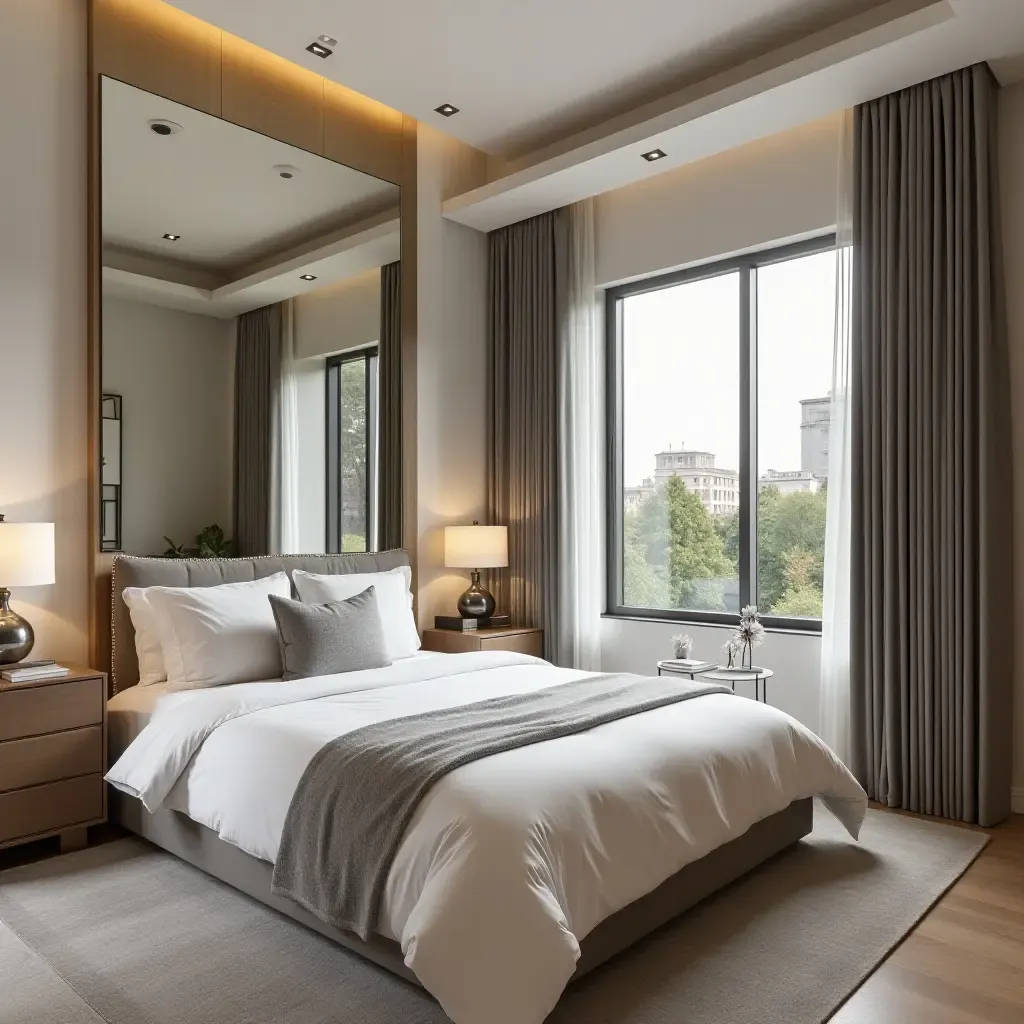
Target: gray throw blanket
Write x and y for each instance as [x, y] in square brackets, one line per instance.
[360, 791]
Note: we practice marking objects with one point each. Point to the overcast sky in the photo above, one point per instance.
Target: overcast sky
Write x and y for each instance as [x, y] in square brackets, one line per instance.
[681, 364]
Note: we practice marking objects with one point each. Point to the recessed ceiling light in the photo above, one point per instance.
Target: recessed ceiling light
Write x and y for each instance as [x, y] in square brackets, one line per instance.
[160, 126]
[654, 154]
[319, 50]
[307, 277]
[327, 40]
[286, 171]
[446, 110]
[172, 238]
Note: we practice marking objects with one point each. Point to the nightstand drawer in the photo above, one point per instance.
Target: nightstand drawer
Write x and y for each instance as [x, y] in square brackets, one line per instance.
[39, 759]
[452, 641]
[522, 643]
[52, 708]
[57, 805]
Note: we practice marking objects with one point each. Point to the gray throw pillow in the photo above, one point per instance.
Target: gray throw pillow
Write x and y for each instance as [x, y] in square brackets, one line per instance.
[322, 639]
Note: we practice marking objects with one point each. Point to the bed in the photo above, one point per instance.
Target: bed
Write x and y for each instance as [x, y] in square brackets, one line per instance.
[625, 826]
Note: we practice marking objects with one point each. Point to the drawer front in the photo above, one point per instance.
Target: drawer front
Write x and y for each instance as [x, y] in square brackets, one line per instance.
[54, 708]
[451, 641]
[57, 805]
[39, 759]
[521, 643]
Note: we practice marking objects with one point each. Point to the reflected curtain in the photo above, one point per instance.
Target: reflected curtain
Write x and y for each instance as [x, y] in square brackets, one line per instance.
[286, 540]
[257, 433]
[544, 468]
[931, 518]
[389, 460]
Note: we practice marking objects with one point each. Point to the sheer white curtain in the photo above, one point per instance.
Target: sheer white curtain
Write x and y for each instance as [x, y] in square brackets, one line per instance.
[579, 437]
[835, 639]
[288, 450]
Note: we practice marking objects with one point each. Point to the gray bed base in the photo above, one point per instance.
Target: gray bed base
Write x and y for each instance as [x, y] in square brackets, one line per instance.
[202, 848]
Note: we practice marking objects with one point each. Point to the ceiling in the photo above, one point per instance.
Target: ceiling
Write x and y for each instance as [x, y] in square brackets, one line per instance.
[214, 184]
[523, 74]
[565, 95]
[246, 233]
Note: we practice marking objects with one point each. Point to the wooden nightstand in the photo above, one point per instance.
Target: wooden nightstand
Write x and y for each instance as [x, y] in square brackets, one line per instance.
[53, 753]
[452, 641]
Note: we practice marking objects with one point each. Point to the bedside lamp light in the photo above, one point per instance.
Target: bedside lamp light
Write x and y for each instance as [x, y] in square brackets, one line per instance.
[26, 560]
[476, 547]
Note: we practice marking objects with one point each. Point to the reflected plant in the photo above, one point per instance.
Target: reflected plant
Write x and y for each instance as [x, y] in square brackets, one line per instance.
[210, 543]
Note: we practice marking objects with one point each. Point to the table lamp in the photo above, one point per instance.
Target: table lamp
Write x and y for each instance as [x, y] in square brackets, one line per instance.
[476, 547]
[26, 560]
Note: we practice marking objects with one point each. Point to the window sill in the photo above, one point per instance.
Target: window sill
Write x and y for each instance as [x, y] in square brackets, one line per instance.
[812, 629]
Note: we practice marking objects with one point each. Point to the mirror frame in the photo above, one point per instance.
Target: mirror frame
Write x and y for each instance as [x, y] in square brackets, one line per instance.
[162, 50]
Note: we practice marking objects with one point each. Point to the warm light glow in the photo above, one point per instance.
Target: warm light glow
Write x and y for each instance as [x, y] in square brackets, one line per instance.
[26, 554]
[475, 547]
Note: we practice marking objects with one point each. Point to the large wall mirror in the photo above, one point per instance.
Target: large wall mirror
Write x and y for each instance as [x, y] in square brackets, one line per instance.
[250, 340]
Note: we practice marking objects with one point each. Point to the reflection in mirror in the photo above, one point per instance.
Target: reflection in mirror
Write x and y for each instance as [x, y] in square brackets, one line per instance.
[251, 334]
[110, 473]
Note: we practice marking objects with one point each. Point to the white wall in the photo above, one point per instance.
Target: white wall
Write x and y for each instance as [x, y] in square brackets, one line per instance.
[43, 460]
[632, 645]
[451, 367]
[777, 189]
[338, 317]
[1011, 127]
[175, 373]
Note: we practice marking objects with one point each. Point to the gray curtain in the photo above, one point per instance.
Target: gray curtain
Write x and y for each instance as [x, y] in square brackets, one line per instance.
[526, 293]
[931, 572]
[389, 462]
[257, 432]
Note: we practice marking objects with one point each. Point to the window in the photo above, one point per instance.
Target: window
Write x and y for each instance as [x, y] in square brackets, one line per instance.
[723, 370]
[352, 451]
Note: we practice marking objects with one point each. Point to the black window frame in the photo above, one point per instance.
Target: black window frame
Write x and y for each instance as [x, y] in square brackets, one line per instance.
[332, 447]
[746, 266]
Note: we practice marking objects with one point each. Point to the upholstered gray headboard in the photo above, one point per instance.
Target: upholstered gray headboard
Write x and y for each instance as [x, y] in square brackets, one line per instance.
[130, 571]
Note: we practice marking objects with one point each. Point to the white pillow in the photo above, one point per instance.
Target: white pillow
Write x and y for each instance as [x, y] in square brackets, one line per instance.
[147, 637]
[394, 601]
[216, 635]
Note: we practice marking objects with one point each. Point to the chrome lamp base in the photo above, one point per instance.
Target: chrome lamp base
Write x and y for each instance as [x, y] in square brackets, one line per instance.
[16, 635]
[476, 603]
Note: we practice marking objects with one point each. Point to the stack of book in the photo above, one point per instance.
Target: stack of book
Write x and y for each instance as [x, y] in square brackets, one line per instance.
[462, 625]
[691, 665]
[30, 671]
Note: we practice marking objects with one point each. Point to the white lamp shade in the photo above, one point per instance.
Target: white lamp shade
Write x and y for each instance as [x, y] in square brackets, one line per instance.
[26, 554]
[475, 547]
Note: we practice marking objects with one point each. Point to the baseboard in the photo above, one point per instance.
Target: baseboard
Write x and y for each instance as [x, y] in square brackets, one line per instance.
[1017, 799]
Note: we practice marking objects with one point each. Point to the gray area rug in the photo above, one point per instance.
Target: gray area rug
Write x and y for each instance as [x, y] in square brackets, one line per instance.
[126, 934]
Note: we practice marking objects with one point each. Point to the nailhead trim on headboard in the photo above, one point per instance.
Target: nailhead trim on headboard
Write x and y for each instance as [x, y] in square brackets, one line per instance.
[114, 689]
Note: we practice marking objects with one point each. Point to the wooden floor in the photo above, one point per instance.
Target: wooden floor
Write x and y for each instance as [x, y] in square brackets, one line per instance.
[963, 964]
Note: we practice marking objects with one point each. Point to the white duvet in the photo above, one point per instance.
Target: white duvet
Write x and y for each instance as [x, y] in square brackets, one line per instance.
[511, 860]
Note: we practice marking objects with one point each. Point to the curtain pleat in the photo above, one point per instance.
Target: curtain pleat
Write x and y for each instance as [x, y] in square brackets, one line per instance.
[257, 433]
[389, 462]
[523, 472]
[931, 583]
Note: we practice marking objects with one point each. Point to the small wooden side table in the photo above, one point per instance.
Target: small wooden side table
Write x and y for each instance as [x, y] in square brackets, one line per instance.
[53, 753]
[501, 638]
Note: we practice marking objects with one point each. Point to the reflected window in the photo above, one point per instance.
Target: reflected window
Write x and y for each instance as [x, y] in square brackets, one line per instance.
[352, 451]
